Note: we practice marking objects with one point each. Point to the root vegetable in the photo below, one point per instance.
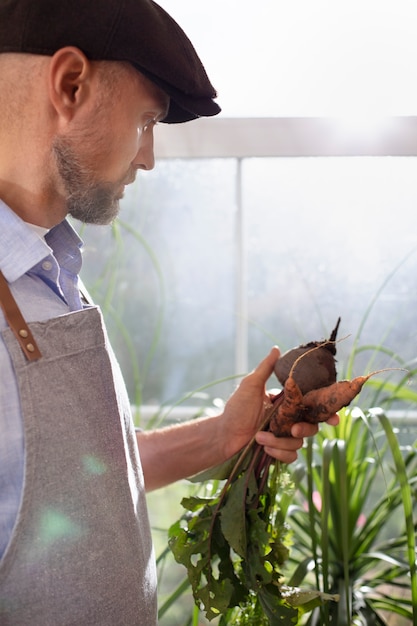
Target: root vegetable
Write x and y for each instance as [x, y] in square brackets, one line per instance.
[287, 409]
[315, 406]
[316, 368]
[311, 393]
[320, 404]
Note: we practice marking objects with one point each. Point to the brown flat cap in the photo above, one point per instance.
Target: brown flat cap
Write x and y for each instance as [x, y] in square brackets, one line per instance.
[137, 31]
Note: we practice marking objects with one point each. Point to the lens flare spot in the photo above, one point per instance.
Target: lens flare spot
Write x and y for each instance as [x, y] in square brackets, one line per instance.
[93, 465]
[55, 526]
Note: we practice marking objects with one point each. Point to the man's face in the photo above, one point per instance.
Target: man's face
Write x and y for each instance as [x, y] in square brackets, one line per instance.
[101, 153]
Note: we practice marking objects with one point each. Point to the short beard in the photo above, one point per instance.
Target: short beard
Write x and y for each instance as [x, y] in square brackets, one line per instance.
[89, 201]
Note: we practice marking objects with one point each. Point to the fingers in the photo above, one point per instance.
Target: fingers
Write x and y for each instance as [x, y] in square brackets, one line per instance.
[284, 449]
[333, 420]
[304, 429]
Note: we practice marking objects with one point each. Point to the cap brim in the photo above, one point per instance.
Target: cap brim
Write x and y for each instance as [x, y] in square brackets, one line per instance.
[183, 107]
[188, 110]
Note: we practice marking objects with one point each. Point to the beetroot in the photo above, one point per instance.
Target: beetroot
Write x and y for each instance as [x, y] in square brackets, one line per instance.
[316, 369]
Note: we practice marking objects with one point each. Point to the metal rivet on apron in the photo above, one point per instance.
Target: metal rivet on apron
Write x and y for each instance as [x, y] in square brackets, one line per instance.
[30, 347]
[23, 333]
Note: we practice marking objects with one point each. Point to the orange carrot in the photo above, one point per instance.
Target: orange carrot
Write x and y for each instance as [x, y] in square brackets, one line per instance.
[320, 404]
[289, 411]
[315, 406]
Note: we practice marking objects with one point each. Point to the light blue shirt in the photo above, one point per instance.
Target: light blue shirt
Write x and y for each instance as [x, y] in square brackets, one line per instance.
[43, 276]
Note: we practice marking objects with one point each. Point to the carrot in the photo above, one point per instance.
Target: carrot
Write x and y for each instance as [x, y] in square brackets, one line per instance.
[320, 404]
[317, 405]
[287, 410]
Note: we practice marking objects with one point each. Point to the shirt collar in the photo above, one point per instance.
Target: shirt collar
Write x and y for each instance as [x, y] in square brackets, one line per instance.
[21, 248]
[39, 230]
[66, 246]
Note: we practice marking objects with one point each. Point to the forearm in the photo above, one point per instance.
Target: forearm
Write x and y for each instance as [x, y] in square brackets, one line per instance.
[182, 450]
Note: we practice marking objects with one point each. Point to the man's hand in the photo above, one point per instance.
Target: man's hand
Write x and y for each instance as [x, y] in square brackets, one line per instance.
[187, 448]
[244, 412]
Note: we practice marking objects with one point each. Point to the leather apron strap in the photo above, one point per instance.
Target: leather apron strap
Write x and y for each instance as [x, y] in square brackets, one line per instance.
[17, 323]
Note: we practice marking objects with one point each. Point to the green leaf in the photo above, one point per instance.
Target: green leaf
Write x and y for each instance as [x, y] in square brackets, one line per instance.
[193, 503]
[296, 596]
[215, 597]
[233, 518]
[278, 613]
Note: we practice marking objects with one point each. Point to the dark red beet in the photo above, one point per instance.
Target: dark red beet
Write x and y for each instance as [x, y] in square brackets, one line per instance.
[314, 370]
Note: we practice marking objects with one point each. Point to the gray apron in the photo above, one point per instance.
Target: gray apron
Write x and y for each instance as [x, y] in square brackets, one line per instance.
[81, 551]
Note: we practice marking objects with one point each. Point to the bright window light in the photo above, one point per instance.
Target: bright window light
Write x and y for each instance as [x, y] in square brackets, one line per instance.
[304, 57]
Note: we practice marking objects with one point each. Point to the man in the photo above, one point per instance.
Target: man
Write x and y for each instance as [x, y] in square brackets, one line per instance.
[82, 85]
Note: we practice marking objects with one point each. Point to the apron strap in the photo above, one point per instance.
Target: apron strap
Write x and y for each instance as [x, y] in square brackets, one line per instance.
[17, 323]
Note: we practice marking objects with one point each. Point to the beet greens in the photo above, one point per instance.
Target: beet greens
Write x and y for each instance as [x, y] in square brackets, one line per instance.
[235, 543]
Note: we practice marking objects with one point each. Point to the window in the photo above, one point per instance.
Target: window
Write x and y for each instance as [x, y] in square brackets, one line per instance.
[222, 256]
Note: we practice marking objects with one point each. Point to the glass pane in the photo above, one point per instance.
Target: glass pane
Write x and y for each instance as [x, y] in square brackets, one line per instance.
[167, 287]
[325, 237]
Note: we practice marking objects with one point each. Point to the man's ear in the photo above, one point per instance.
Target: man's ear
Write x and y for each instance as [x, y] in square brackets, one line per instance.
[69, 81]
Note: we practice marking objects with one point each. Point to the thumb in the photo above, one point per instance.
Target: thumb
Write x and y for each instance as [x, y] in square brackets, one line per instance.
[265, 368]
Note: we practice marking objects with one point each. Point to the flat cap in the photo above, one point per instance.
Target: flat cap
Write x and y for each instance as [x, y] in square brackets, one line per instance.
[137, 31]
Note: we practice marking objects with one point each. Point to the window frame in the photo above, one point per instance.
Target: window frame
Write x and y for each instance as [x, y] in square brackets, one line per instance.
[224, 137]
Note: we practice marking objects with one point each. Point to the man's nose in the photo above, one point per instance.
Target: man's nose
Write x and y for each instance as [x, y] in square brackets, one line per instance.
[145, 157]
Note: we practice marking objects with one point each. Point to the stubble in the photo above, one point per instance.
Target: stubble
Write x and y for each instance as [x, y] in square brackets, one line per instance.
[88, 200]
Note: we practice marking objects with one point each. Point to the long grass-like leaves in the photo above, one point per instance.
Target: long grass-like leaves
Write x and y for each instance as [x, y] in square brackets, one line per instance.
[343, 511]
[345, 523]
[408, 508]
[325, 515]
[311, 509]
[166, 409]
[182, 588]
[369, 308]
[395, 391]
[160, 316]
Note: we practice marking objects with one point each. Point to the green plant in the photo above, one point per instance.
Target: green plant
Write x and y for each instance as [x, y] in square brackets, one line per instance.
[108, 283]
[352, 522]
[233, 545]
